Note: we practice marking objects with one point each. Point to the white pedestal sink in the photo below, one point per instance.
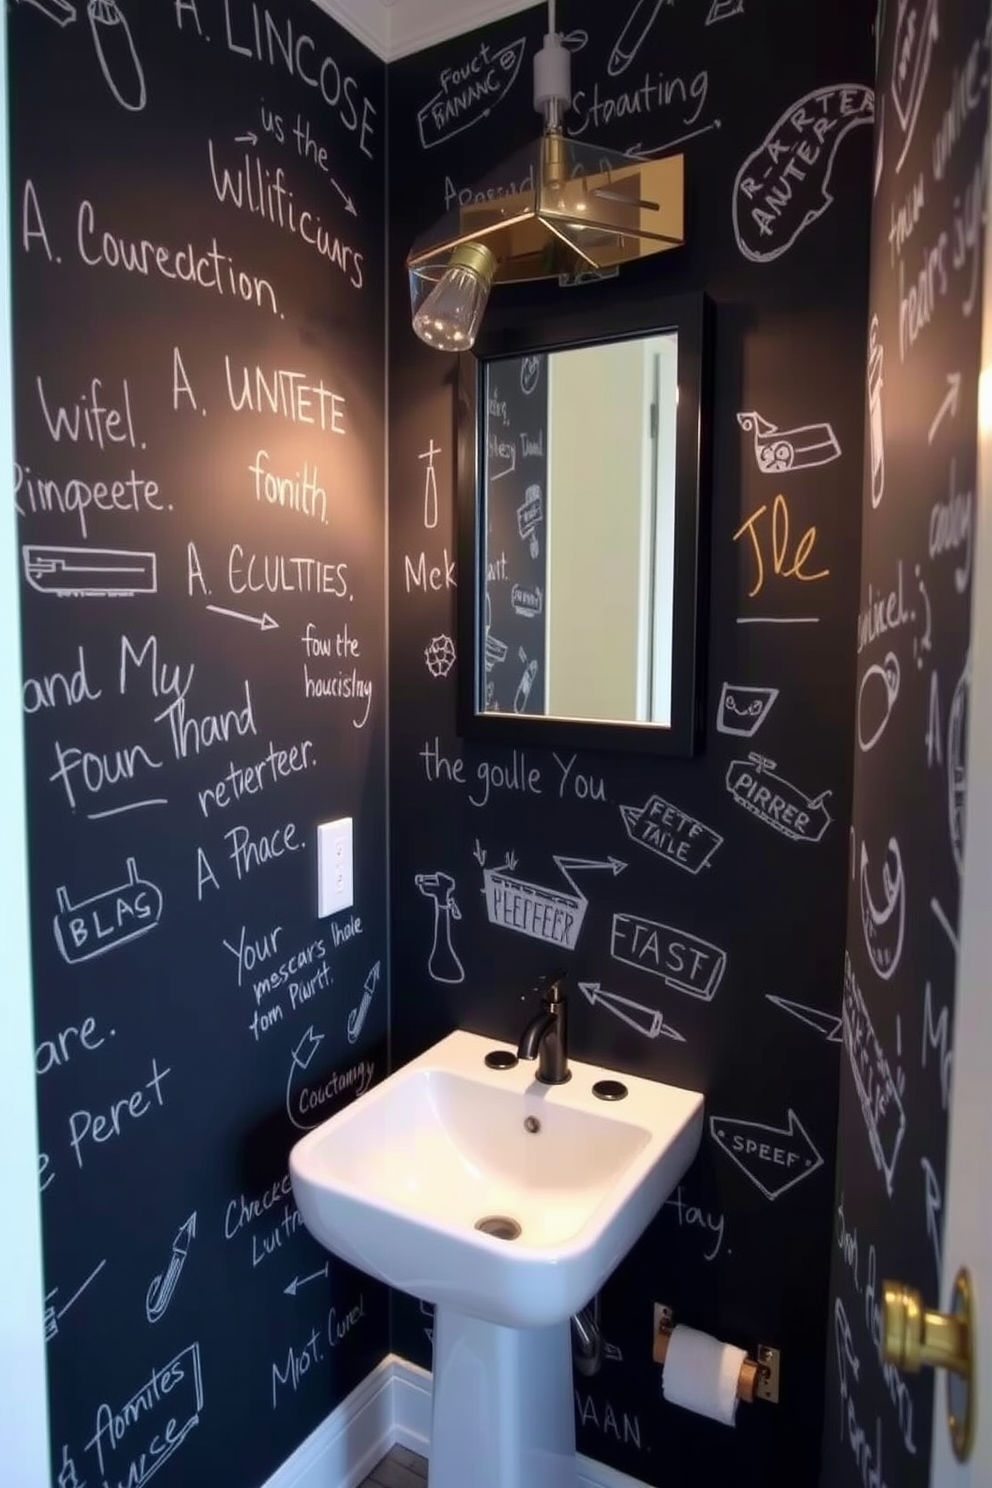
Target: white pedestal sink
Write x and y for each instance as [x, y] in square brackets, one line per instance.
[398, 1182]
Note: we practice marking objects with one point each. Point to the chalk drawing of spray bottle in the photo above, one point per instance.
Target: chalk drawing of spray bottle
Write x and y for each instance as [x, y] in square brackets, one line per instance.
[443, 964]
[877, 435]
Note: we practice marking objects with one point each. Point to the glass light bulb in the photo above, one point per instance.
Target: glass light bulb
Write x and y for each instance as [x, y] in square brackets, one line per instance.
[450, 317]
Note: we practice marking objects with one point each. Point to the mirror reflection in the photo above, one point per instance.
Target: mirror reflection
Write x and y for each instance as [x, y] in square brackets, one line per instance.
[579, 524]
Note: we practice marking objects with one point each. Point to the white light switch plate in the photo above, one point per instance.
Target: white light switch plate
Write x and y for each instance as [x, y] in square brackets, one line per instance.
[335, 866]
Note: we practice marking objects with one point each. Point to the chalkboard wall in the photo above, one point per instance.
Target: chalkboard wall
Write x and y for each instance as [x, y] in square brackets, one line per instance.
[921, 398]
[740, 948]
[198, 216]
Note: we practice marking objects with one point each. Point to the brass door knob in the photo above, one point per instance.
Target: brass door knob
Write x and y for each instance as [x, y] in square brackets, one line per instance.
[914, 1339]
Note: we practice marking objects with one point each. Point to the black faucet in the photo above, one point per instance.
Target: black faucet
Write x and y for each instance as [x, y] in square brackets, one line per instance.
[546, 1036]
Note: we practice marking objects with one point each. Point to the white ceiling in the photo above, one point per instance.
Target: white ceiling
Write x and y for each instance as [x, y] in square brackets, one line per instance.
[395, 28]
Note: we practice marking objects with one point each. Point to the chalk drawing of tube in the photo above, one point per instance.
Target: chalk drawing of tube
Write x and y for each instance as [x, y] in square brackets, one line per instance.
[529, 518]
[117, 54]
[778, 449]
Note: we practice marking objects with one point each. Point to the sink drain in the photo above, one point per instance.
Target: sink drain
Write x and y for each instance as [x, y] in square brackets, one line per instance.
[499, 1226]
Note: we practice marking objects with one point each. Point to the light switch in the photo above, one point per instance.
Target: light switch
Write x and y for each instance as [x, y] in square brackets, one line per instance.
[335, 866]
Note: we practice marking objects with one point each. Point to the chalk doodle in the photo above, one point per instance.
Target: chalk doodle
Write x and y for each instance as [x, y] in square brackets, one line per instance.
[160, 1292]
[777, 450]
[723, 10]
[828, 1025]
[543, 913]
[878, 1094]
[430, 485]
[299, 1282]
[525, 687]
[92, 927]
[753, 785]
[742, 710]
[884, 927]
[53, 1315]
[496, 650]
[684, 962]
[531, 368]
[635, 32]
[949, 405]
[112, 42]
[646, 1021]
[774, 1158]
[876, 425]
[469, 93]
[357, 1016]
[671, 834]
[783, 186]
[878, 694]
[529, 518]
[957, 777]
[916, 33]
[89, 573]
[443, 964]
[529, 603]
[440, 656]
[934, 1200]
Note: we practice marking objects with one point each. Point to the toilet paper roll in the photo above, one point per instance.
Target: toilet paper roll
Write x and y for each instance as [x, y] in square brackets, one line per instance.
[701, 1374]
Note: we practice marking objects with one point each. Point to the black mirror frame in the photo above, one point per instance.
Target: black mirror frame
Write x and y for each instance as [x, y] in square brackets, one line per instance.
[515, 336]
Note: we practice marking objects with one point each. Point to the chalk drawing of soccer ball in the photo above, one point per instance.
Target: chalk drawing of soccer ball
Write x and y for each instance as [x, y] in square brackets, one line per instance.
[440, 656]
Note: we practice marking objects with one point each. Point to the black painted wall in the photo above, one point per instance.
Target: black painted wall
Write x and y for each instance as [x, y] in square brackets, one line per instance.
[204, 661]
[772, 104]
[921, 392]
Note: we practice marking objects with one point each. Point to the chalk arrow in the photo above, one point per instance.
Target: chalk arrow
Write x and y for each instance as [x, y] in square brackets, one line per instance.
[825, 1023]
[480, 853]
[647, 1021]
[301, 1281]
[251, 138]
[264, 621]
[307, 1047]
[372, 980]
[349, 205]
[774, 1158]
[949, 405]
[159, 1294]
[568, 866]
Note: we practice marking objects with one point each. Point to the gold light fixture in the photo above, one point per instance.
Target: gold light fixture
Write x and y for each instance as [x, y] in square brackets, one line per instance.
[559, 207]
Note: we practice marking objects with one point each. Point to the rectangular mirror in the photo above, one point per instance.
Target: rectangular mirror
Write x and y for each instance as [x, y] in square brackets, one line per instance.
[580, 458]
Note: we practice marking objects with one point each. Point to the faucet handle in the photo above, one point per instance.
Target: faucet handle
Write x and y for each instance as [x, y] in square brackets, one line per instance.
[551, 986]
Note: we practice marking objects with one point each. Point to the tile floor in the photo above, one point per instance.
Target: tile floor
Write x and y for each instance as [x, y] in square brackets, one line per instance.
[401, 1469]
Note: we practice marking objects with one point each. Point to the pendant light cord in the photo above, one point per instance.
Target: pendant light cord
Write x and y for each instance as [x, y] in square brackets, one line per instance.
[551, 18]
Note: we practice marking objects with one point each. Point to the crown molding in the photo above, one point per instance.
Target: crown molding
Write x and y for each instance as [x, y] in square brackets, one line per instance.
[397, 28]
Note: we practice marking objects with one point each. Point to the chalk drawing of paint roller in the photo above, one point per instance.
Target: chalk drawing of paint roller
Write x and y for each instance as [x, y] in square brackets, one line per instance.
[111, 918]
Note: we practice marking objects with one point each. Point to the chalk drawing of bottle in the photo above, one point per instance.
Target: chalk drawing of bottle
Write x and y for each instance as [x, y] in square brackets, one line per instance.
[877, 436]
[443, 964]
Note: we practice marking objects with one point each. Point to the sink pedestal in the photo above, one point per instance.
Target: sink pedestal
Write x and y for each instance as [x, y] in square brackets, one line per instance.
[501, 1414]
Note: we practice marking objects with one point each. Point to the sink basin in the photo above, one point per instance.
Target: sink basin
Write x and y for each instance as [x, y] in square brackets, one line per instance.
[563, 1184]
[397, 1182]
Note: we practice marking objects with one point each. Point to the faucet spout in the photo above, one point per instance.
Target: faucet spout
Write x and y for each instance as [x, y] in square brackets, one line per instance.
[546, 1036]
[530, 1040]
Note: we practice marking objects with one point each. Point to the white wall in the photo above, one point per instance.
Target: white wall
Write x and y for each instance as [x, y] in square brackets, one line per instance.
[23, 1405]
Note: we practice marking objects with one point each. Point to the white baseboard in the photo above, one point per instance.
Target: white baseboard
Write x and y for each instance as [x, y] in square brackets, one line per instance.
[391, 1407]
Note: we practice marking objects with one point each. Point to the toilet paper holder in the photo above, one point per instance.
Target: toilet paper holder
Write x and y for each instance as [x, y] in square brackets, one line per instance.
[759, 1377]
